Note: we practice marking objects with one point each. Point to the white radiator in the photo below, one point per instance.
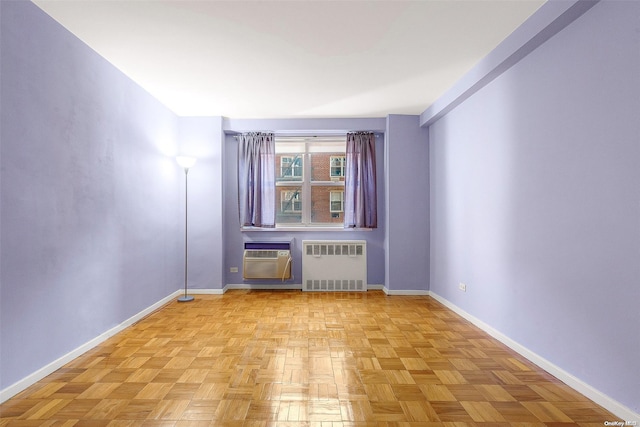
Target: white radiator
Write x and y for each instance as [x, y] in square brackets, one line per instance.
[334, 265]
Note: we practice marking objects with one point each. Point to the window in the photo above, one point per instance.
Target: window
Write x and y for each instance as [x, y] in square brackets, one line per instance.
[337, 201]
[319, 181]
[290, 167]
[336, 166]
[290, 201]
[310, 184]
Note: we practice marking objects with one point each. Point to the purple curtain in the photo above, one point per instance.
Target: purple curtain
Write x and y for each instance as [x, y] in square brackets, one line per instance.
[257, 179]
[360, 202]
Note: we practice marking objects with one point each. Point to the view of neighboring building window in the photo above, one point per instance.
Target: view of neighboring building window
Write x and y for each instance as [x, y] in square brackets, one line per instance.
[290, 167]
[336, 201]
[290, 201]
[336, 166]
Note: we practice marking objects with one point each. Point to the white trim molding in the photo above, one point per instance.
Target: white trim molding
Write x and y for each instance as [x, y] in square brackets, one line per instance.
[36, 376]
[264, 286]
[276, 287]
[204, 291]
[580, 386]
[407, 292]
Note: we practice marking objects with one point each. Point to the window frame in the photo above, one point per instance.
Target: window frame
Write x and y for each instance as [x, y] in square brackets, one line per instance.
[306, 181]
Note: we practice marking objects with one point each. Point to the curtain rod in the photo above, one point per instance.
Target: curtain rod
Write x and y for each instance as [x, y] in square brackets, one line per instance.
[307, 134]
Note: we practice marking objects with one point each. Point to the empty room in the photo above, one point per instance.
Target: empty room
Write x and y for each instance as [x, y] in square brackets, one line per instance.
[320, 213]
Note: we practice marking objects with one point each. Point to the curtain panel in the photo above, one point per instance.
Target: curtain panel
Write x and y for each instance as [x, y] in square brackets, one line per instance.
[257, 180]
[360, 201]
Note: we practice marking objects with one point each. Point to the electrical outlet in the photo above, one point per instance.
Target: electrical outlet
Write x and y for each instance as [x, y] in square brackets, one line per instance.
[462, 287]
[233, 270]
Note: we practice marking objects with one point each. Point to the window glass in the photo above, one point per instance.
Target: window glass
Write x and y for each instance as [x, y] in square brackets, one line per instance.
[289, 167]
[310, 180]
[324, 200]
[327, 166]
[289, 205]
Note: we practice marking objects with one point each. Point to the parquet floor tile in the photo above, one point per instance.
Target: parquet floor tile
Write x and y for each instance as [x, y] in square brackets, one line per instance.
[296, 359]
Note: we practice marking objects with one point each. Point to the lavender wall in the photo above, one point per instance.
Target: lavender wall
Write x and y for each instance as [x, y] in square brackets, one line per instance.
[535, 201]
[90, 230]
[202, 137]
[407, 207]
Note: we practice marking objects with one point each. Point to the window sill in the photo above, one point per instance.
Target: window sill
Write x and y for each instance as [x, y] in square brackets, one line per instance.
[304, 228]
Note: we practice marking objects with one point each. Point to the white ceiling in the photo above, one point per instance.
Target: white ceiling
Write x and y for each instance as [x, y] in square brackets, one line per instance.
[305, 58]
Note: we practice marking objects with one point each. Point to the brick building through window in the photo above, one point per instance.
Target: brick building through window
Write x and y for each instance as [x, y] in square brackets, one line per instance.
[310, 182]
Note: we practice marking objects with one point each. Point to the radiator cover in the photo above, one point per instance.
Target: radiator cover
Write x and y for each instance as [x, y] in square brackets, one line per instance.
[334, 265]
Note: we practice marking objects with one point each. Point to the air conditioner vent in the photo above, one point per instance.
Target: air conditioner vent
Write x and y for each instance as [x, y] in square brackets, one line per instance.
[253, 253]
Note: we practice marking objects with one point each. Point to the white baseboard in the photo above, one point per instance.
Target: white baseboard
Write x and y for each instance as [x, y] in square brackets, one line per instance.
[580, 386]
[264, 286]
[36, 376]
[294, 286]
[406, 292]
[204, 291]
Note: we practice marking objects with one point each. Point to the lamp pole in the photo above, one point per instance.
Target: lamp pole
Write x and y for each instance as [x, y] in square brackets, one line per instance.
[186, 163]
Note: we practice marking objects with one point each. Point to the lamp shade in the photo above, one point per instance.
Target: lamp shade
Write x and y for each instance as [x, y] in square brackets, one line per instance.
[186, 162]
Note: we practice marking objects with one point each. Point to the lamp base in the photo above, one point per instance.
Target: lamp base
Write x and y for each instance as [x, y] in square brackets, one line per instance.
[185, 298]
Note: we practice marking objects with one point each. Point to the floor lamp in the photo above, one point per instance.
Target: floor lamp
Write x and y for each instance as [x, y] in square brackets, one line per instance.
[186, 163]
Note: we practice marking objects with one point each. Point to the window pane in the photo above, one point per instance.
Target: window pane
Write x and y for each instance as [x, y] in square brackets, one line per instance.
[283, 147]
[327, 166]
[289, 167]
[329, 145]
[322, 201]
[289, 205]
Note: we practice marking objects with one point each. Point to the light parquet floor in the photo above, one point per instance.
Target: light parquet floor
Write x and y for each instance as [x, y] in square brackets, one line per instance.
[294, 359]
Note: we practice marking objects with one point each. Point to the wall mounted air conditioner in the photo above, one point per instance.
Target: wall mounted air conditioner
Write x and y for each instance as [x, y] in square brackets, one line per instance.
[266, 261]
